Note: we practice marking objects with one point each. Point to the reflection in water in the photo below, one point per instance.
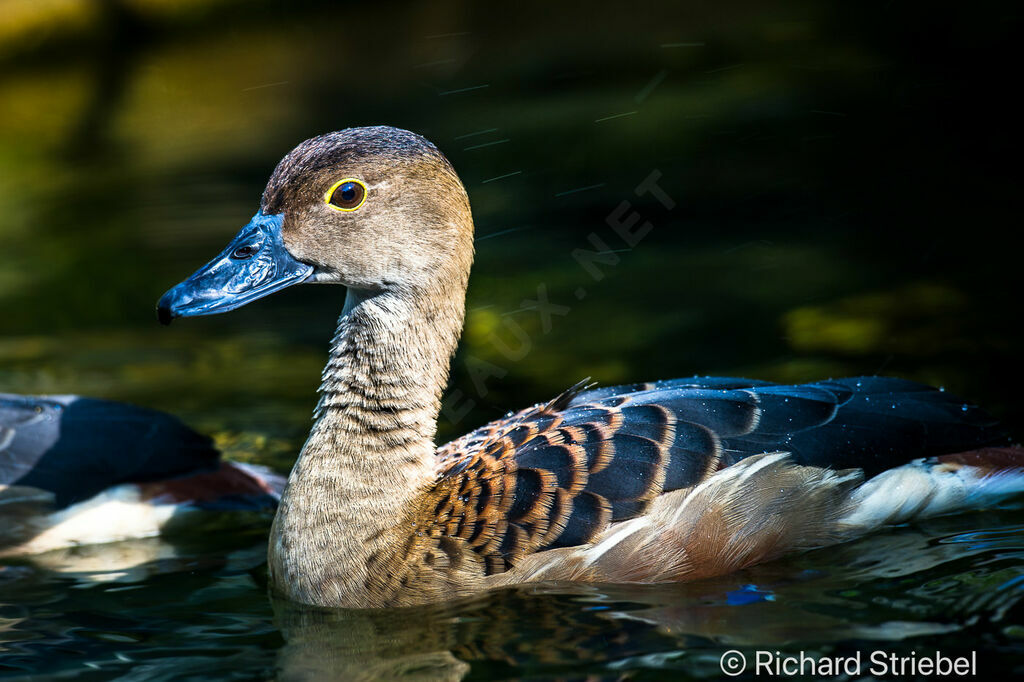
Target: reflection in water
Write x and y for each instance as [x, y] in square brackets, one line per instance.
[127, 562]
[366, 645]
[199, 606]
[814, 602]
[544, 626]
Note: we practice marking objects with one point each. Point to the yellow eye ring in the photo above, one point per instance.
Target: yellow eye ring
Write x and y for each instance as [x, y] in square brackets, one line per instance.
[347, 194]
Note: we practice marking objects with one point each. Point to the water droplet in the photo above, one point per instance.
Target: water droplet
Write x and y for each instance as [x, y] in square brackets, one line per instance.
[942, 389]
[964, 407]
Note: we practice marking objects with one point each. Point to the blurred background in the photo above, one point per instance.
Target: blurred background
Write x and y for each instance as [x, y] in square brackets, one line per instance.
[840, 197]
[839, 172]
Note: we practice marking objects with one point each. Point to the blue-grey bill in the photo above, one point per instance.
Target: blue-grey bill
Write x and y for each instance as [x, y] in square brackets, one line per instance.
[255, 264]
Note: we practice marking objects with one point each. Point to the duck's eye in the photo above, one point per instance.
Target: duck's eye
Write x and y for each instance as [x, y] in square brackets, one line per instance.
[346, 195]
[243, 252]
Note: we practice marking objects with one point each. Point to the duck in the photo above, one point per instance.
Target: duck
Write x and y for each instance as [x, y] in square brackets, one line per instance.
[651, 482]
[78, 471]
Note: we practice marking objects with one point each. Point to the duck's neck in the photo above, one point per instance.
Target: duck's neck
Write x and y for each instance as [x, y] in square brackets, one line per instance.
[381, 390]
[371, 450]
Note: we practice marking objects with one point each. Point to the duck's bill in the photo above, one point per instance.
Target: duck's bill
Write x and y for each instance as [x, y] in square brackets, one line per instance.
[255, 264]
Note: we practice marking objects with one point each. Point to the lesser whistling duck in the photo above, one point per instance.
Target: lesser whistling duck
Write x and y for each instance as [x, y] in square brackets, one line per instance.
[663, 481]
[77, 471]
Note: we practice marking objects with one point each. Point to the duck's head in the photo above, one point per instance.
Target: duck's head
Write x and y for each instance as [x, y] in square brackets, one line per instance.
[376, 209]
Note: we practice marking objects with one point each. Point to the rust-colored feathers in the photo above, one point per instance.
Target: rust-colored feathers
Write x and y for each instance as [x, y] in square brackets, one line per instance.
[620, 483]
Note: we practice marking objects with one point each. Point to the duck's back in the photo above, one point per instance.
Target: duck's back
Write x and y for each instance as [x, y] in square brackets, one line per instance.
[75, 447]
[79, 471]
[869, 423]
[549, 491]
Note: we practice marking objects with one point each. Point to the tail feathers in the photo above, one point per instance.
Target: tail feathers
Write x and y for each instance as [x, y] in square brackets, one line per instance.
[999, 472]
[991, 460]
[939, 485]
[766, 506]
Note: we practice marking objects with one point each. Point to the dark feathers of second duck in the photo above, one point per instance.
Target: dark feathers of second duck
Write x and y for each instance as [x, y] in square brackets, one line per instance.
[130, 468]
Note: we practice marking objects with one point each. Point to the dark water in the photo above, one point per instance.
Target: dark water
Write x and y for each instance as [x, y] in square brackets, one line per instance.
[837, 201]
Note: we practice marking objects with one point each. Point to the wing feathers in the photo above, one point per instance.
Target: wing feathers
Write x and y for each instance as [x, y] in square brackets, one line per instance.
[567, 473]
